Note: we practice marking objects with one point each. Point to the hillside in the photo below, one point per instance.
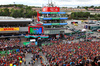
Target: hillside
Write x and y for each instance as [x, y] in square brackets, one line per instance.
[17, 5]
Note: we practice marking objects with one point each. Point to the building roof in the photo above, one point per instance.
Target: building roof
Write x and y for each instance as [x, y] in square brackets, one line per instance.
[68, 31]
[74, 20]
[92, 25]
[11, 19]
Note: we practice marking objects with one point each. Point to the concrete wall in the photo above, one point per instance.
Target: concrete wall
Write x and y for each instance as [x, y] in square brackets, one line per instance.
[54, 31]
[23, 29]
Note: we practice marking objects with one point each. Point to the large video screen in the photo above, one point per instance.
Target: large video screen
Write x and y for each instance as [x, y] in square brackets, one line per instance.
[35, 29]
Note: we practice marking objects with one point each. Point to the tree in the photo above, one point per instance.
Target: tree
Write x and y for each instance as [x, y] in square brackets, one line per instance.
[34, 13]
[92, 6]
[98, 15]
[72, 16]
[86, 7]
[6, 12]
[95, 16]
[29, 14]
[24, 11]
[86, 14]
[21, 11]
[1, 12]
[28, 8]
[78, 6]
[16, 13]
[78, 15]
[20, 5]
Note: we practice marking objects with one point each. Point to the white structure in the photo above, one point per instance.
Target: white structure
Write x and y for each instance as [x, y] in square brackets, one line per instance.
[83, 30]
[74, 21]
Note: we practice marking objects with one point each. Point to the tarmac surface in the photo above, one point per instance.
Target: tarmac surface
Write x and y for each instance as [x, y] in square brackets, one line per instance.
[37, 63]
[81, 26]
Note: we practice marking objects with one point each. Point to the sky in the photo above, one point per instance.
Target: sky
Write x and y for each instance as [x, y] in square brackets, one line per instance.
[60, 3]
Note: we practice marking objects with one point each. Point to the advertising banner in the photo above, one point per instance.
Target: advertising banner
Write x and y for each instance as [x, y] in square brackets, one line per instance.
[9, 29]
[38, 16]
[26, 43]
[51, 9]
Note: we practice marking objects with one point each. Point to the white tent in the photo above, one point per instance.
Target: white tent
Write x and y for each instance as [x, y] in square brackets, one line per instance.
[83, 30]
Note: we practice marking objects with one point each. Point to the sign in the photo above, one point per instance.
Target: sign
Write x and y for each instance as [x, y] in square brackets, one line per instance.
[51, 9]
[26, 43]
[9, 29]
[2, 52]
[38, 16]
[32, 40]
[35, 29]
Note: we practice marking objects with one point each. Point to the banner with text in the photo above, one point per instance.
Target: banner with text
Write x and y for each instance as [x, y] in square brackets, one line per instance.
[9, 29]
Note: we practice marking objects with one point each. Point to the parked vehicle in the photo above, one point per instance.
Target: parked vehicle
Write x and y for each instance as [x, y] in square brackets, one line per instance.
[98, 30]
[86, 22]
[98, 23]
[91, 22]
[72, 29]
[95, 29]
[67, 27]
[76, 24]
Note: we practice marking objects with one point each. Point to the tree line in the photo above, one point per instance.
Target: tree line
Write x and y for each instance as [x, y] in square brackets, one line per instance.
[23, 12]
[18, 5]
[84, 15]
[86, 7]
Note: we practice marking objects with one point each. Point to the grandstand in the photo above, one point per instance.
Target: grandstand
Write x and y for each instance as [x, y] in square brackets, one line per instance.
[13, 27]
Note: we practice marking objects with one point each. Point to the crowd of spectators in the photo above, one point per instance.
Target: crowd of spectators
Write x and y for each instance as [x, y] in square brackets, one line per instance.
[17, 58]
[81, 53]
[73, 54]
[4, 43]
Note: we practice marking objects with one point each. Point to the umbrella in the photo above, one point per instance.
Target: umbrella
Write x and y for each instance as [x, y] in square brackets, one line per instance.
[83, 30]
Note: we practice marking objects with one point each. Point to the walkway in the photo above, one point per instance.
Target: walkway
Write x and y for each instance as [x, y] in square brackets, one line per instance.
[37, 63]
[45, 61]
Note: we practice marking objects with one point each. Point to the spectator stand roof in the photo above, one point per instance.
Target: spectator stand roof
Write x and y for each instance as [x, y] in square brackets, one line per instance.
[11, 19]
